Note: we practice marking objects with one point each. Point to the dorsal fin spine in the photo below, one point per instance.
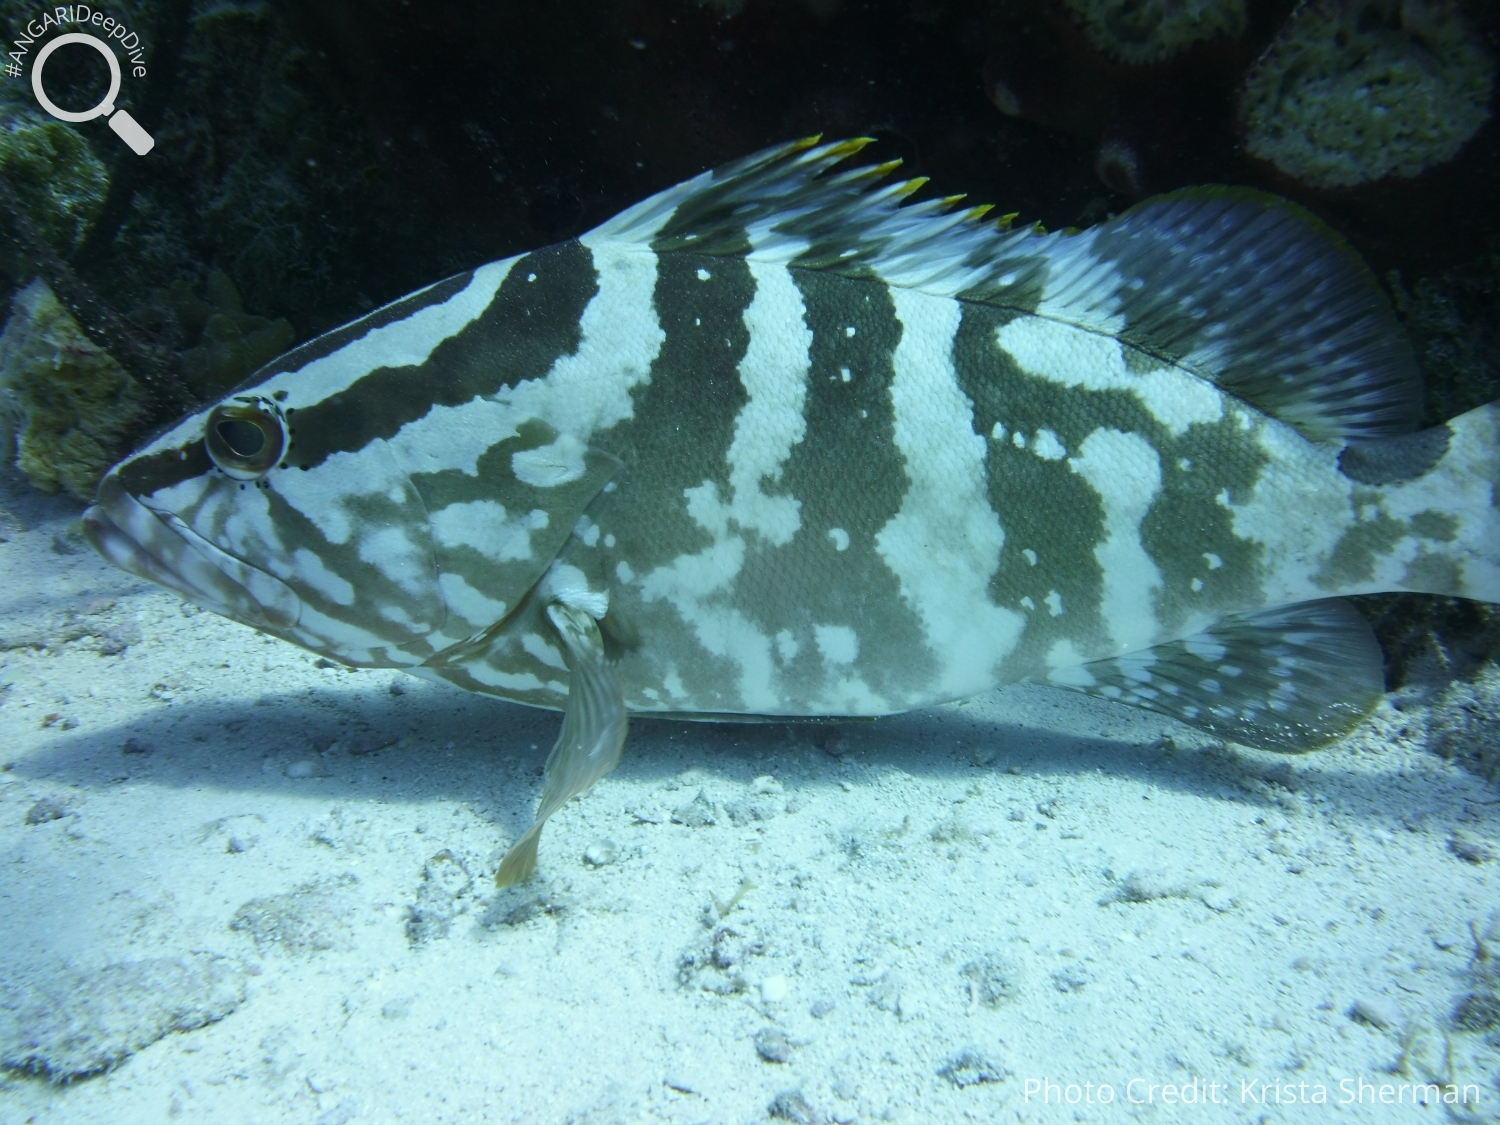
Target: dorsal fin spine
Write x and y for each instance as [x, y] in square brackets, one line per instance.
[1237, 287]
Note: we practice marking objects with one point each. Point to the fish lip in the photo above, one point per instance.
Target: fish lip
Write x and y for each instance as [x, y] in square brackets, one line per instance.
[145, 543]
[126, 552]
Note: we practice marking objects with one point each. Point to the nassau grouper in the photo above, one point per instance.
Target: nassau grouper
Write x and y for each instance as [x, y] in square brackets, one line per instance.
[777, 442]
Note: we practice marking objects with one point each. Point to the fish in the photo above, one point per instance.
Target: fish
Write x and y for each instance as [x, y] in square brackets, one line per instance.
[782, 441]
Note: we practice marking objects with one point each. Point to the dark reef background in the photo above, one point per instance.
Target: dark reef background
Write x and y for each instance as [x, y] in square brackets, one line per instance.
[317, 159]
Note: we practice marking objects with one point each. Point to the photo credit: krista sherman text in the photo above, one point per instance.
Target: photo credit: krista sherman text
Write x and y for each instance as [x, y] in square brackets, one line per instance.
[97, 30]
[1378, 1090]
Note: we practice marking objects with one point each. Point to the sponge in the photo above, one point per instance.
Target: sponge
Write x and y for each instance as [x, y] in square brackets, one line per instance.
[71, 403]
[1348, 93]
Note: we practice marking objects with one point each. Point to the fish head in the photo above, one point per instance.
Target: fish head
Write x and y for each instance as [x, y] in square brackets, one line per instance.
[377, 526]
[382, 493]
[331, 552]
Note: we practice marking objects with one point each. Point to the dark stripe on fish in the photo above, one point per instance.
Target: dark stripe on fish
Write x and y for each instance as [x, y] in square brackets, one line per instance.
[683, 417]
[145, 475]
[330, 342]
[681, 427]
[526, 328]
[1043, 505]
[678, 437]
[849, 474]
[1184, 522]
[1187, 521]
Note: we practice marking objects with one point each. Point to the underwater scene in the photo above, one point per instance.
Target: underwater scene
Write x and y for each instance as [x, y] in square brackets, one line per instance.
[750, 561]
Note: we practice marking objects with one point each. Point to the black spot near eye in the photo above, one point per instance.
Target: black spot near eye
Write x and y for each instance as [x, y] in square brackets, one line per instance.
[243, 438]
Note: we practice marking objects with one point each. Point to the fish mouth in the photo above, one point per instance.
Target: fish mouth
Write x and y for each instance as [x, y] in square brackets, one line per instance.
[160, 548]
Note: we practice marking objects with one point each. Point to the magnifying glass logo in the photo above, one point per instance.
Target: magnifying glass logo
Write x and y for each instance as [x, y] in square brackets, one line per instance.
[127, 128]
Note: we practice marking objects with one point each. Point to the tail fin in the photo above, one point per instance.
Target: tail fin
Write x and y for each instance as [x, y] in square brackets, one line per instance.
[1442, 488]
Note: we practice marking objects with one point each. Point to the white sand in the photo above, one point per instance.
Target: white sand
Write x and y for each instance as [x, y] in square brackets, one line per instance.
[961, 880]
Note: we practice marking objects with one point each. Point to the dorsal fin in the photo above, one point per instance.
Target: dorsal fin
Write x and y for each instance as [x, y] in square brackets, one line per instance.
[786, 204]
[1256, 295]
[1243, 289]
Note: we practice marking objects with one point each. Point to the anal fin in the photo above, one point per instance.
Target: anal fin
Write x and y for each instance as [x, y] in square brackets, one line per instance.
[593, 733]
[1288, 679]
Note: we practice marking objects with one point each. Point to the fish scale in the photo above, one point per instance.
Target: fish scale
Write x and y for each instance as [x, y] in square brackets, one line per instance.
[779, 441]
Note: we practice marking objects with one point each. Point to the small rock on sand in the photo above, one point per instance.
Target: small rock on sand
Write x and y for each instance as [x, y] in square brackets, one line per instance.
[74, 1024]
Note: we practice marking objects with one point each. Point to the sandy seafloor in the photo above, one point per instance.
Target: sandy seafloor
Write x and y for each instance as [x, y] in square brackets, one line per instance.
[931, 913]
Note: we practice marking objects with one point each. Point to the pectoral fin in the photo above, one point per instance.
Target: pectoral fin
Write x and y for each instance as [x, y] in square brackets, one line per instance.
[593, 733]
[1286, 679]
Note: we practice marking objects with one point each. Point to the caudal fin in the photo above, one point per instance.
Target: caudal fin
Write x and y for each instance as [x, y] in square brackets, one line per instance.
[1439, 494]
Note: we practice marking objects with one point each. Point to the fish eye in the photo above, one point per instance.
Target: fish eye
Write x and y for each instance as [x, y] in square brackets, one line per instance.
[245, 438]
